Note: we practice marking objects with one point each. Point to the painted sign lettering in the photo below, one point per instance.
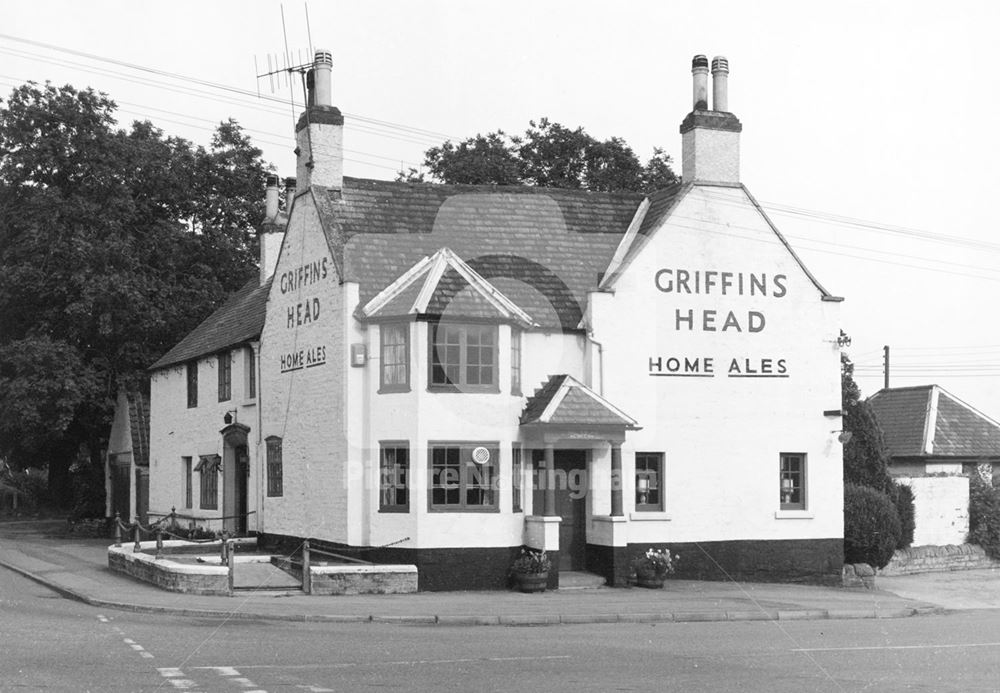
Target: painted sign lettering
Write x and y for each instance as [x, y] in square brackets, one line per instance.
[719, 283]
[704, 367]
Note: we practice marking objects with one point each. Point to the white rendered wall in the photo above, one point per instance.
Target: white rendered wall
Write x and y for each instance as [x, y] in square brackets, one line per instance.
[941, 509]
[421, 417]
[177, 431]
[722, 436]
[303, 362]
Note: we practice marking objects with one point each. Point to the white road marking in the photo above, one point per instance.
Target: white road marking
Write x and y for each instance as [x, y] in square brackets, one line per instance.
[405, 662]
[221, 671]
[181, 683]
[129, 641]
[103, 619]
[315, 689]
[896, 647]
[170, 672]
[147, 655]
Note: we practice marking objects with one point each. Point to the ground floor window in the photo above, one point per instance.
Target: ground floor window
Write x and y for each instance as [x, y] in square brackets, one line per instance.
[394, 477]
[793, 481]
[208, 469]
[275, 472]
[463, 476]
[517, 478]
[648, 484]
[188, 481]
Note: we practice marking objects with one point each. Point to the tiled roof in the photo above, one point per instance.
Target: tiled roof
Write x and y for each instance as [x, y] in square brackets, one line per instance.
[961, 430]
[138, 415]
[909, 416]
[542, 248]
[902, 414]
[563, 400]
[239, 320]
[443, 285]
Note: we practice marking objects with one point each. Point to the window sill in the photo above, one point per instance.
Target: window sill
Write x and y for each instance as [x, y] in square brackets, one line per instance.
[464, 389]
[395, 509]
[649, 516]
[793, 515]
[392, 390]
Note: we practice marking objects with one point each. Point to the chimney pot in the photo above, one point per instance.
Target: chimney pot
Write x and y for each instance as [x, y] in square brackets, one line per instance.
[699, 73]
[720, 84]
[322, 69]
[289, 192]
[271, 199]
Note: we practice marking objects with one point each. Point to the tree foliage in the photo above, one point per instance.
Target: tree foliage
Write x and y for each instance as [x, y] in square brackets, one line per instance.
[866, 459]
[114, 243]
[549, 155]
[984, 515]
[871, 526]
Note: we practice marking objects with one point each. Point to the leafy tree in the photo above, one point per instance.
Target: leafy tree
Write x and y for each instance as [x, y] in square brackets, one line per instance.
[866, 459]
[113, 244]
[549, 155]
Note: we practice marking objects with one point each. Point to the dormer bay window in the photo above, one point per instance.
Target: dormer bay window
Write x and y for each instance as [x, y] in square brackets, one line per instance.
[463, 357]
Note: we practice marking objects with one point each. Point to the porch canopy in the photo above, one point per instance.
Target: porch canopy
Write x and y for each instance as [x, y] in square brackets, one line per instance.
[566, 412]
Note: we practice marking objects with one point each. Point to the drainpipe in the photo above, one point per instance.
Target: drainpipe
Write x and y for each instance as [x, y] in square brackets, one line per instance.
[600, 363]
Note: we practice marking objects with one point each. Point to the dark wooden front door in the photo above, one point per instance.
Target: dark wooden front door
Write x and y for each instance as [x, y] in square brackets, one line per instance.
[242, 474]
[142, 494]
[571, 506]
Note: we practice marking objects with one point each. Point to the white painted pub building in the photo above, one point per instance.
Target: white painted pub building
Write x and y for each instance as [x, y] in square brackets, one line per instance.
[439, 375]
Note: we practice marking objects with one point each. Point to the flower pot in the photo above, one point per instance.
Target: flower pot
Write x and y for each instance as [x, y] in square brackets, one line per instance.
[531, 582]
[649, 579]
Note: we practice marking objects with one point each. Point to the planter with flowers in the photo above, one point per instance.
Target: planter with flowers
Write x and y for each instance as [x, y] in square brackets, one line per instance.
[531, 570]
[652, 568]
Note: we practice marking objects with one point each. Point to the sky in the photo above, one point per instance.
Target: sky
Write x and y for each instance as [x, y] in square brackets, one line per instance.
[868, 136]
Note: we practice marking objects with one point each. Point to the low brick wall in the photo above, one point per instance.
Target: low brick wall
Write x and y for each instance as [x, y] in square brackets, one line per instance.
[934, 559]
[167, 574]
[363, 579]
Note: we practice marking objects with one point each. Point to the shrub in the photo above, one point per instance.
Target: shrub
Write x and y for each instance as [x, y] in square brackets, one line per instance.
[871, 526]
[531, 561]
[984, 515]
[31, 486]
[88, 492]
[660, 563]
[902, 498]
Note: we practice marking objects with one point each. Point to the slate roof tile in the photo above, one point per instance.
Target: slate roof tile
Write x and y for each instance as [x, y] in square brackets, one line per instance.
[959, 430]
[902, 412]
[962, 431]
[577, 407]
[138, 414]
[237, 321]
[543, 248]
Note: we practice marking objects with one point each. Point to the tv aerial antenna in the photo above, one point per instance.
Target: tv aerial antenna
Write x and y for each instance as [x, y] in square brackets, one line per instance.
[279, 68]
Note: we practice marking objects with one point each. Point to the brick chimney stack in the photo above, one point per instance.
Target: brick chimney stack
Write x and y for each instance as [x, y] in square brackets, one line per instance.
[710, 139]
[319, 134]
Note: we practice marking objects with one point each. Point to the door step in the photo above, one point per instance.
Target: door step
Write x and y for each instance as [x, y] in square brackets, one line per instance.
[579, 580]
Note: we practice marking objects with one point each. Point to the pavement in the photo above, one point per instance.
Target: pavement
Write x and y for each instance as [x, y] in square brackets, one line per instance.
[77, 568]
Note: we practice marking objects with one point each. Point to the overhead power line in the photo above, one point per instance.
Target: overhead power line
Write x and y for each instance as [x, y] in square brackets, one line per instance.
[214, 85]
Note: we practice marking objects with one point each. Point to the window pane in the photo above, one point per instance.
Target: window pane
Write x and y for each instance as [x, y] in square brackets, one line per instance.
[394, 477]
[648, 470]
[792, 482]
[394, 355]
[274, 467]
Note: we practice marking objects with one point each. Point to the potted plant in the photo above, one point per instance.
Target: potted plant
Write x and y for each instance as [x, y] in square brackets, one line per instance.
[652, 568]
[531, 570]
